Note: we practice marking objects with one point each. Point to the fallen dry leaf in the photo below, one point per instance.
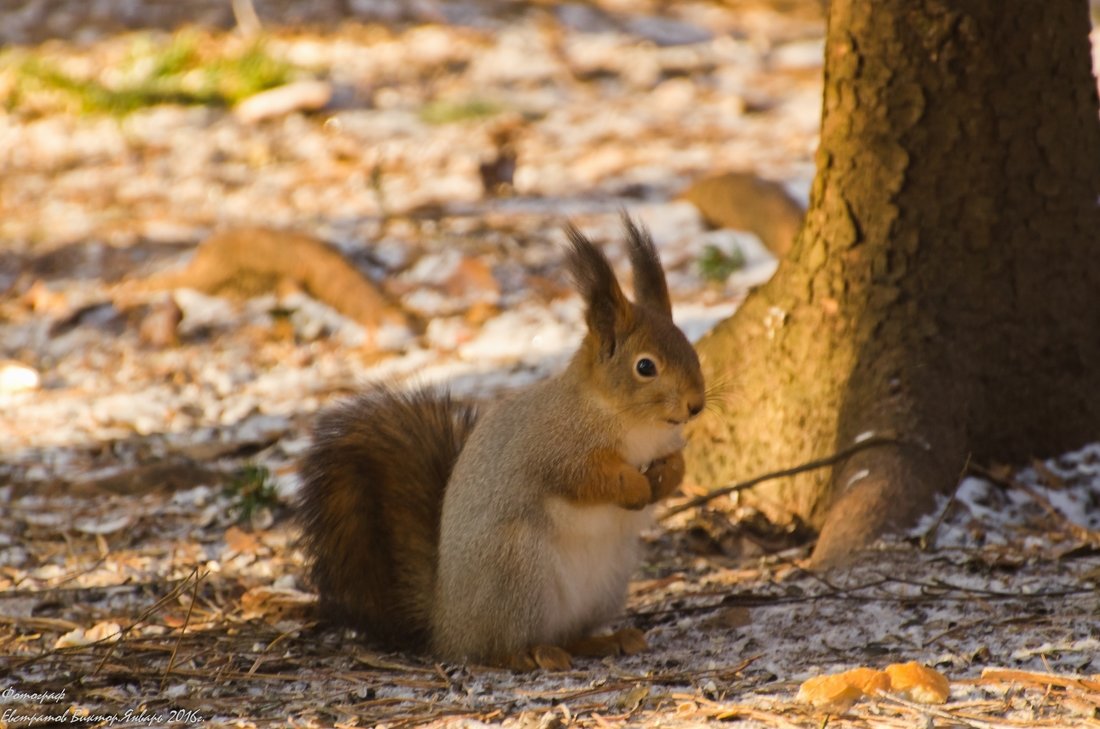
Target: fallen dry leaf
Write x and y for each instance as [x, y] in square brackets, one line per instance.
[273, 602]
[17, 377]
[104, 523]
[737, 616]
[79, 637]
[239, 541]
[632, 699]
[473, 276]
[283, 100]
[41, 299]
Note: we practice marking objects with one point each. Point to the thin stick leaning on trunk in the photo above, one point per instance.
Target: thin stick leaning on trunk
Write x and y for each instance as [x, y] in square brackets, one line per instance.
[875, 441]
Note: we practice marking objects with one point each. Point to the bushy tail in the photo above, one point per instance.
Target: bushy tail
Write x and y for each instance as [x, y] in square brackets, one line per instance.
[370, 505]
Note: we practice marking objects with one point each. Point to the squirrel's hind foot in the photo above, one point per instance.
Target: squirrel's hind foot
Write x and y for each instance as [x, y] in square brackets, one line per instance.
[550, 657]
[625, 642]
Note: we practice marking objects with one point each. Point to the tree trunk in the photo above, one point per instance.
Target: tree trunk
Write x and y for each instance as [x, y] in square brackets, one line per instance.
[945, 287]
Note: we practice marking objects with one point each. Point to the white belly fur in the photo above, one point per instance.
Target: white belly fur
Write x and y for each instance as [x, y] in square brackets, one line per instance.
[596, 550]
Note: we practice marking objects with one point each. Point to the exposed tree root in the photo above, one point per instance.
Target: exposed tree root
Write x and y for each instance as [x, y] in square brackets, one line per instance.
[249, 261]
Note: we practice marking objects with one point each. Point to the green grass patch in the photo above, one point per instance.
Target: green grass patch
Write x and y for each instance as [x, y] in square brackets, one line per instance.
[251, 490]
[717, 264]
[451, 112]
[190, 70]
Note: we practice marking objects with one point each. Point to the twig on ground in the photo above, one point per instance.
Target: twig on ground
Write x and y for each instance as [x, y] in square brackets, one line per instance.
[144, 616]
[936, 590]
[926, 710]
[1076, 530]
[723, 711]
[47, 592]
[925, 541]
[58, 624]
[278, 639]
[1035, 678]
[183, 628]
[625, 682]
[76, 574]
[971, 624]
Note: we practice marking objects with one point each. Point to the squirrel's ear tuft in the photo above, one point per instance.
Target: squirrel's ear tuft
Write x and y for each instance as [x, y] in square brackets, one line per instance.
[608, 313]
[650, 288]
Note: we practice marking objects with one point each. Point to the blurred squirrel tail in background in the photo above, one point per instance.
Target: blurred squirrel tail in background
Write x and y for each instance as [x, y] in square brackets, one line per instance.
[370, 504]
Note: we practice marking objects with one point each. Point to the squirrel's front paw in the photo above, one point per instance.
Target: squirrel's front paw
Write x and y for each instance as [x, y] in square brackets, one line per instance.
[608, 479]
[665, 474]
[634, 489]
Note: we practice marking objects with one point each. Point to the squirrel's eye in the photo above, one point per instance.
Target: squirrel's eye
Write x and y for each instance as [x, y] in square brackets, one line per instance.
[646, 367]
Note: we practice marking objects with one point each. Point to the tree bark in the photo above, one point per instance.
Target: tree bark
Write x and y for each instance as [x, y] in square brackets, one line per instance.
[945, 287]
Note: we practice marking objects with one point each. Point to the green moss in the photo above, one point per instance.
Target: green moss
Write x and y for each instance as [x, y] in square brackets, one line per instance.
[251, 490]
[717, 264]
[178, 57]
[241, 76]
[182, 72]
[450, 112]
[93, 97]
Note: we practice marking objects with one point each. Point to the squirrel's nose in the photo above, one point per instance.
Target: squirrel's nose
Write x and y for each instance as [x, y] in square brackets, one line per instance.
[694, 408]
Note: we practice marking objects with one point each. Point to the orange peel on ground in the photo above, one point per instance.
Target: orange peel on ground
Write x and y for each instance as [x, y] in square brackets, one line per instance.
[919, 683]
[831, 692]
[839, 691]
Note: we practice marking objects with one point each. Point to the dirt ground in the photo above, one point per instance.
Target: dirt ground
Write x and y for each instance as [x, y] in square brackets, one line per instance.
[148, 436]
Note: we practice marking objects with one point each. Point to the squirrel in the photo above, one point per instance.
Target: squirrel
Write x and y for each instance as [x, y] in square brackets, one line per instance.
[508, 537]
